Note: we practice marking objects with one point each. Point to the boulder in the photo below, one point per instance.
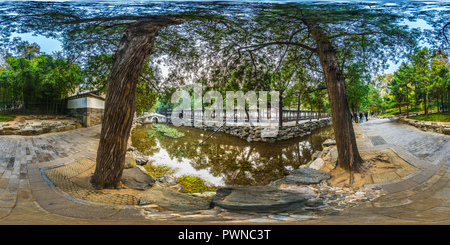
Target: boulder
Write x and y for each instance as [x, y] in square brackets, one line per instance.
[446, 131]
[315, 155]
[137, 178]
[328, 142]
[305, 175]
[334, 156]
[257, 199]
[316, 164]
[167, 180]
[31, 131]
[10, 130]
[129, 162]
[140, 158]
[173, 200]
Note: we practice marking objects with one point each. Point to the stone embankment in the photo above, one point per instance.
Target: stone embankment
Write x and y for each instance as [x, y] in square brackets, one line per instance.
[36, 125]
[253, 133]
[436, 127]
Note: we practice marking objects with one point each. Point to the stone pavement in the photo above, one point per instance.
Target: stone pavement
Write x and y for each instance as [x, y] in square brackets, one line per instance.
[27, 196]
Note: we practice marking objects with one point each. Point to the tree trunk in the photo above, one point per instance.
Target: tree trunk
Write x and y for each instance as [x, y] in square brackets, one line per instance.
[349, 158]
[280, 110]
[407, 104]
[120, 102]
[426, 100]
[298, 108]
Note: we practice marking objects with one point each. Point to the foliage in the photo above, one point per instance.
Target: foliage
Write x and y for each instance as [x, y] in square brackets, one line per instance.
[423, 82]
[97, 70]
[43, 79]
[357, 86]
[252, 42]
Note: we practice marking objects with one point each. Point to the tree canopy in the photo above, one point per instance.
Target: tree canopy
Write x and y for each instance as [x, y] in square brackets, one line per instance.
[247, 46]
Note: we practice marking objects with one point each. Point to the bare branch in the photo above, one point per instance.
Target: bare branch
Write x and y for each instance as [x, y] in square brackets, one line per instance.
[443, 31]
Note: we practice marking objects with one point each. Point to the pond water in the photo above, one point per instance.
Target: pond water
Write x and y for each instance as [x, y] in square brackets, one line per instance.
[224, 159]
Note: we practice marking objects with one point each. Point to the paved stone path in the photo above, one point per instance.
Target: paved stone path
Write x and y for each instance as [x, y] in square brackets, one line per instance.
[28, 197]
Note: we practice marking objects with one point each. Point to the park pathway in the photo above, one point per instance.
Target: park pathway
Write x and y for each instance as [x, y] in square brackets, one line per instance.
[419, 198]
[28, 197]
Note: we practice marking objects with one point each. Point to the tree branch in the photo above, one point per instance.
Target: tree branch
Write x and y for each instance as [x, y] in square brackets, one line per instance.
[260, 46]
[355, 34]
[443, 31]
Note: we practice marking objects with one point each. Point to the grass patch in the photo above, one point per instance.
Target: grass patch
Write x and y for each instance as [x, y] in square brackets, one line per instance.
[389, 113]
[193, 184]
[394, 111]
[435, 117]
[6, 117]
[159, 170]
[168, 131]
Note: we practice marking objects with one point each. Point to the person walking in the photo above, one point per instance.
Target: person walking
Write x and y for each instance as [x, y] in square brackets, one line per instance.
[355, 116]
[366, 114]
[361, 117]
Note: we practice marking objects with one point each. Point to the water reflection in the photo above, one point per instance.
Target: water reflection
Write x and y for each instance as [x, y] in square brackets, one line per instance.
[227, 160]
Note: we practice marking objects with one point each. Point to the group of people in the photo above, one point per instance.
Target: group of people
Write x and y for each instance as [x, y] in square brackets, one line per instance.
[361, 116]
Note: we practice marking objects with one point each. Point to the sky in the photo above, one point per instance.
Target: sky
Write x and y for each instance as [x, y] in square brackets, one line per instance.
[416, 24]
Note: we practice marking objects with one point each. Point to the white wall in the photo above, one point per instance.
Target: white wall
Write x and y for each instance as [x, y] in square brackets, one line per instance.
[77, 103]
[95, 103]
[86, 102]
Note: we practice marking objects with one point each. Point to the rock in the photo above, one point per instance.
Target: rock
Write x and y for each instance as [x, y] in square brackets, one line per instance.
[31, 131]
[140, 158]
[206, 194]
[257, 199]
[11, 130]
[317, 154]
[137, 178]
[334, 156]
[329, 142]
[326, 150]
[305, 175]
[167, 180]
[129, 162]
[177, 188]
[446, 131]
[305, 192]
[316, 164]
[173, 200]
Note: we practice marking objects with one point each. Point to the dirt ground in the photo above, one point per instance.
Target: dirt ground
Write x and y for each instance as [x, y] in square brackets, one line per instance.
[84, 178]
[379, 166]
